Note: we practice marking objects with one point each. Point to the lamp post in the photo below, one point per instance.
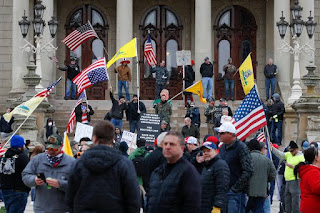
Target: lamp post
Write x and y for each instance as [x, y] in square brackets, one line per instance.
[38, 27]
[296, 27]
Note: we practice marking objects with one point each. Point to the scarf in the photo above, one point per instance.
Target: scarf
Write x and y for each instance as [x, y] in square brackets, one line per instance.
[54, 160]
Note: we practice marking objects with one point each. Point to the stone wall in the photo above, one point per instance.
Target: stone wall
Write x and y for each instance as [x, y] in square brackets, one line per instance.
[317, 37]
[5, 51]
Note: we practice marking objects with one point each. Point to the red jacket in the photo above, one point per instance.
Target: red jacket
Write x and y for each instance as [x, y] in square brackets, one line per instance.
[310, 188]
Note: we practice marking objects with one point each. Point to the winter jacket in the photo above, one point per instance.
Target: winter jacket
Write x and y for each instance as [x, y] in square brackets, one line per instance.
[162, 75]
[5, 126]
[103, 180]
[215, 178]
[43, 134]
[78, 112]
[139, 152]
[263, 172]
[229, 71]
[164, 110]
[239, 160]
[211, 116]
[117, 110]
[189, 77]
[174, 188]
[206, 70]
[278, 109]
[270, 71]
[151, 162]
[14, 181]
[190, 131]
[310, 188]
[48, 200]
[132, 111]
[72, 71]
[124, 73]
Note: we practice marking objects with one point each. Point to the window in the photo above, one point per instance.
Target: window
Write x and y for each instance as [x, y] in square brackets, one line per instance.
[97, 50]
[224, 54]
[151, 18]
[225, 19]
[171, 62]
[246, 48]
[97, 18]
[171, 18]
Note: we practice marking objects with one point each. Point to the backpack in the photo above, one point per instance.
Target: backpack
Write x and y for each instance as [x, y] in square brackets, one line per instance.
[138, 162]
[8, 165]
[195, 118]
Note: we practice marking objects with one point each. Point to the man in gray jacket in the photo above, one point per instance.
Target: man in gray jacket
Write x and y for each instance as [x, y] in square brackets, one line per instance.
[162, 77]
[263, 172]
[48, 172]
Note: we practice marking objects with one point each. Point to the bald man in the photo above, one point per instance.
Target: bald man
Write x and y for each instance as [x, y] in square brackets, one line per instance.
[190, 129]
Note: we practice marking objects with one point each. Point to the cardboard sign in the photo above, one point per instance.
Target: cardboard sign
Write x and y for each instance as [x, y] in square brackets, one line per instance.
[83, 130]
[183, 57]
[130, 138]
[149, 127]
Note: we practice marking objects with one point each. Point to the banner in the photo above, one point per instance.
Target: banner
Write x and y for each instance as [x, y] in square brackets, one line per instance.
[149, 127]
[246, 75]
[126, 51]
[197, 89]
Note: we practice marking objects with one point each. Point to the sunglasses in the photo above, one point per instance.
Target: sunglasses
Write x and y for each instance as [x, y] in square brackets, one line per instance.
[52, 149]
[221, 133]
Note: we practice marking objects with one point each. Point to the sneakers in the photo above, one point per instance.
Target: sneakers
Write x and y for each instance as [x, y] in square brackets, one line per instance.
[31, 203]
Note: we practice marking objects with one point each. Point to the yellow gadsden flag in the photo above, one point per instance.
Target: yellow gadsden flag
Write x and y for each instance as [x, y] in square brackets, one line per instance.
[128, 50]
[246, 75]
[26, 108]
[197, 89]
[66, 145]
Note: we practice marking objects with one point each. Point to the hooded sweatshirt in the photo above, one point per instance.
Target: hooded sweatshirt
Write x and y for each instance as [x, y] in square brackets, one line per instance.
[103, 180]
[310, 188]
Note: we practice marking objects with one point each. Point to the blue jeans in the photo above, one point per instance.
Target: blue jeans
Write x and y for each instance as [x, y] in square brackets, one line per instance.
[116, 122]
[236, 202]
[270, 83]
[14, 201]
[125, 84]
[255, 205]
[71, 86]
[267, 205]
[229, 85]
[32, 193]
[276, 130]
[133, 125]
[207, 83]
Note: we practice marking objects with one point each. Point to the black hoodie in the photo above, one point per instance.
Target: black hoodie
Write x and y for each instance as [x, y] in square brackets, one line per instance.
[103, 180]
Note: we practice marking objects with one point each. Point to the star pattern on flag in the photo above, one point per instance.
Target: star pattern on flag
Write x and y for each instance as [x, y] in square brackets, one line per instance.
[97, 76]
[251, 102]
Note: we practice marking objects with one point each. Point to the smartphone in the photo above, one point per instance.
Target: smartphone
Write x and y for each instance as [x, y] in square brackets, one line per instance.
[41, 176]
[201, 153]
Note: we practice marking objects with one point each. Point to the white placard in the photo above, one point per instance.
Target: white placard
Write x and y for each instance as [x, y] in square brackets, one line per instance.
[130, 138]
[183, 57]
[83, 130]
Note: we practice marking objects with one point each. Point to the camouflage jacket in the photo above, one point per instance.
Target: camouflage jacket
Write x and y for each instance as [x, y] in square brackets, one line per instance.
[164, 110]
[162, 75]
[211, 116]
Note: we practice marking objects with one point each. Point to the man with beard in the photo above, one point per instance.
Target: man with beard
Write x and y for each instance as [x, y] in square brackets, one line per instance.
[164, 109]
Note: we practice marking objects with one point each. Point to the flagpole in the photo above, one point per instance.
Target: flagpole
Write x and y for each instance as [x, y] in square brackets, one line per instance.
[138, 85]
[268, 140]
[182, 91]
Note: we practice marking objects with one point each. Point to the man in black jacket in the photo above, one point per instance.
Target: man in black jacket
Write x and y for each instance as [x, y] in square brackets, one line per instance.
[270, 72]
[189, 78]
[206, 71]
[277, 110]
[117, 109]
[72, 71]
[133, 113]
[175, 185]
[103, 180]
[5, 127]
[15, 193]
[215, 178]
[190, 129]
[239, 160]
[83, 112]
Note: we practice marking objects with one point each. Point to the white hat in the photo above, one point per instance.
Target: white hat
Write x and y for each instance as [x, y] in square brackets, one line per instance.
[226, 127]
[192, 140]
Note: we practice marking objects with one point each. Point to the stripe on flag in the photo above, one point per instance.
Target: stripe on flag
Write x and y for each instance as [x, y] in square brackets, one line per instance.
[72, 119]
[149, 53]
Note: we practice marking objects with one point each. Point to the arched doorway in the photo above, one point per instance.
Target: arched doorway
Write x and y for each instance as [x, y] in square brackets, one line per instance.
[92, 49]
[165, 28]
[235, 32]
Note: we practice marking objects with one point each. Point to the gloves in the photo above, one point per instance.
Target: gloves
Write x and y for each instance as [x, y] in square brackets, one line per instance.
[216, 210]
[275, 117]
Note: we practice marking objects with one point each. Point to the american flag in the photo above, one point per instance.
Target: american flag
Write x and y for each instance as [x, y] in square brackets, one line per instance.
[93, 74]
[46, 92]
[2, 151]
[80, 35]
[261, 137]
[250, 116]
[72, 118]
[149, 53]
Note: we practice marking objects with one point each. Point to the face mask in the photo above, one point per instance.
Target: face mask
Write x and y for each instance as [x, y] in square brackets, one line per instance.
[50, 124]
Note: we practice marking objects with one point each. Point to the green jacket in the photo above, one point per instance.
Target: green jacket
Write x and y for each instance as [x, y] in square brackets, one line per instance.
[192, 131]
[263, 172]
[137, 152]
[164, 110]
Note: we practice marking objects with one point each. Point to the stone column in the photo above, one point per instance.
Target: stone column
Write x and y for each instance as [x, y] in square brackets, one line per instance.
[124, 30]
[283, 61]
[19, 59]
[203, 33]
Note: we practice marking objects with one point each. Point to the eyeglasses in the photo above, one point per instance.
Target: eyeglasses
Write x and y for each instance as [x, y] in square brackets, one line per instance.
[52, 149]
[221, 133]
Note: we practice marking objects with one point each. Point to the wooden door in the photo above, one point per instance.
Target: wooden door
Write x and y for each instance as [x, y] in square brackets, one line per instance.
[164, 27]
[93, 48]
[235, 32]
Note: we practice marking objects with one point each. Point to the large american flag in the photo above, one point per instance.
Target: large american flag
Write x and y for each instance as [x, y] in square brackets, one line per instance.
[149, 53]
[46, 92]
[80, 35]
[72, 118]
[93, 74]
[250, 115]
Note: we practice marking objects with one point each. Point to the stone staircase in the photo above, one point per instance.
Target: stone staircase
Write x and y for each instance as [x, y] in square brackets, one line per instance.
[63, 109]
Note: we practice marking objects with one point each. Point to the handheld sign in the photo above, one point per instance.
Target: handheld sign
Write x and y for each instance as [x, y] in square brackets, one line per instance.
[83, 130]
[183, 57]
[149, 127]
[130, 138]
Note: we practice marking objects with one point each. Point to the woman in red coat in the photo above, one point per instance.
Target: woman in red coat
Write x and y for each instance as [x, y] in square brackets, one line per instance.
[309, 174]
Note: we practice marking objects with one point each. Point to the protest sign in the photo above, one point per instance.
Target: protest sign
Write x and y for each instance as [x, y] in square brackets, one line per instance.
[183, 57]
[83, 130]
[149, 127]
[130, 138]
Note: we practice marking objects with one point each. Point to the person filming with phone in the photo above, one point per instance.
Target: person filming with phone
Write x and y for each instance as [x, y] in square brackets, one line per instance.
[48, 172]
